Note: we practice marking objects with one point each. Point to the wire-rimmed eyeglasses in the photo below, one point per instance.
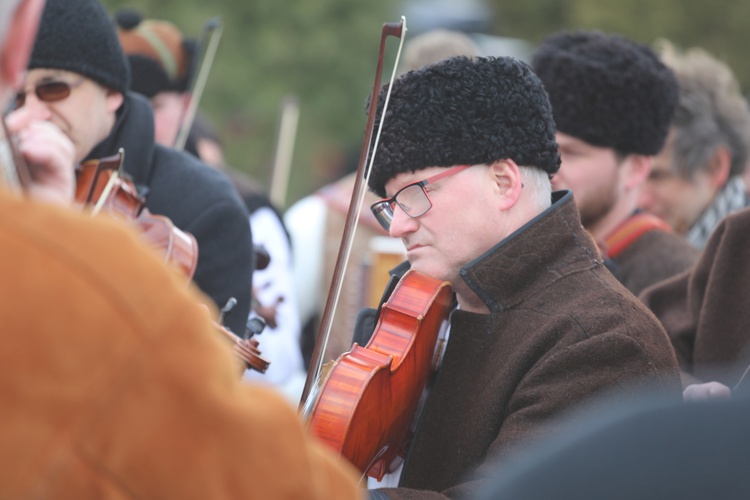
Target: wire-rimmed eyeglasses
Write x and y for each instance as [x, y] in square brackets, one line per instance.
[412, 198]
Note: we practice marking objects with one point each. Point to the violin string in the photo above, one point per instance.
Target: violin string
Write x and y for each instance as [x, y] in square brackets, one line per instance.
[742, 379]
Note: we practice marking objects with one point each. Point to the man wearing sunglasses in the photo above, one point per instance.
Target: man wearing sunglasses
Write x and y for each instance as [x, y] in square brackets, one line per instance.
[115, 383]
[78, 79]
[541, 326]
[613, 101]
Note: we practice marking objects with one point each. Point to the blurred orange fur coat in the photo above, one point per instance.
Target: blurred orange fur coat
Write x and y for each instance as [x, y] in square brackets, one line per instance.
[115, 385]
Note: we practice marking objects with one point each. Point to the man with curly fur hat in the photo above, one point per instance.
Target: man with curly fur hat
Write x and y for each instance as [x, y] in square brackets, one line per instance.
[541, 326]
[612, 100]
[78, 79]
[317, 221]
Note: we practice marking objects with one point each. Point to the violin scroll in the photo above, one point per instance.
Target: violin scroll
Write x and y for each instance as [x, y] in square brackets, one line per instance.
[246, 349]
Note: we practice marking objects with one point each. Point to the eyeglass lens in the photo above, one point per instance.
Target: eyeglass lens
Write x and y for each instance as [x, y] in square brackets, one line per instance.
[412, 199]
[47, 92]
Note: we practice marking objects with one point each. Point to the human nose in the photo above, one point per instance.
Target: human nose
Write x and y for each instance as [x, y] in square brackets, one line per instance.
[36, 108]
[401, 223]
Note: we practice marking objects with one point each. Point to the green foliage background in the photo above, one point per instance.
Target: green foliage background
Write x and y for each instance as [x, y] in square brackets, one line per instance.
[719, 26]
[324, 52]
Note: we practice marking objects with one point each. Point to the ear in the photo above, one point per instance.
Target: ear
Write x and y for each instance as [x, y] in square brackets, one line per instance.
[638, 168]
[718, 167]
[114, 100]
[507, 181]
[15, 52]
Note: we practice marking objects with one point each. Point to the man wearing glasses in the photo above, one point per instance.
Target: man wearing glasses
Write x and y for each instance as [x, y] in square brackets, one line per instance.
[78, 79]
[541, 327]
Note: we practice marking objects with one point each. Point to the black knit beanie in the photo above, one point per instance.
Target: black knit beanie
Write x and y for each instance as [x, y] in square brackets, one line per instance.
[464, 111]
[79, 36]
[160, 58]
[607, 90]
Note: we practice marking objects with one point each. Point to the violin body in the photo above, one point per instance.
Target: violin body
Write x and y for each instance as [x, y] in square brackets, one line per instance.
[122, 198]
[100, 183]
[95, 186]
[367, 403]
[176, 246]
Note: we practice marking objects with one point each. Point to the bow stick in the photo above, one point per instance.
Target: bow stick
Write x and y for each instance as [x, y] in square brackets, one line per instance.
[212, 31]
[357, 200]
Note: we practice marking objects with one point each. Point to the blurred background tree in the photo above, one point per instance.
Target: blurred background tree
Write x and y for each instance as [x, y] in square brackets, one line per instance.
[719, 26]
[324, 52]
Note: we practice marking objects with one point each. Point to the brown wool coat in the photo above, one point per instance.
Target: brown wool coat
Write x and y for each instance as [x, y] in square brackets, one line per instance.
[655, 256]
[116, 386]
[705, 310]
[562, 330]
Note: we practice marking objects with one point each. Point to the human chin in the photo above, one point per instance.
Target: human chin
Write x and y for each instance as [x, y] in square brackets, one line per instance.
[417, 262]
[427, 267]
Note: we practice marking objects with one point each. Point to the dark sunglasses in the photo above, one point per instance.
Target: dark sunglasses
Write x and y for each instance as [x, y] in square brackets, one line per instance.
[49, 91]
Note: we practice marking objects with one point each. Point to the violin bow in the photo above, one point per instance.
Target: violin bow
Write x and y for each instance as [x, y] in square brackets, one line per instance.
[282, 160]
[355, 207]
[212, 31]
[742, 380]
[110, 183]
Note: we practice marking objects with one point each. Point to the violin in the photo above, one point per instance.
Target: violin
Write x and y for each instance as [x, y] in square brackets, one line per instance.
[177, 247]
[246, 349]
[102, 185]
[365, 406]
[368, 401]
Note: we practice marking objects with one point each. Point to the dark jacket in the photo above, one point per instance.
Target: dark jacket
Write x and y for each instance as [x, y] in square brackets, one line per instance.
[561, 330]
[705, 310]
[645, 450]
[197, 199]
[653, 257]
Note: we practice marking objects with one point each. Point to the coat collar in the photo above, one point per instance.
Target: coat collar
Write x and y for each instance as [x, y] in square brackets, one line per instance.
[550, 246]
[134, 132]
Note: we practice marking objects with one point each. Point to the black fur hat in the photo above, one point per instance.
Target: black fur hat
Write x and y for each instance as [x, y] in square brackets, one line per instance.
[607, 90]
[464, 111]
[161, 59]
[79, 36]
